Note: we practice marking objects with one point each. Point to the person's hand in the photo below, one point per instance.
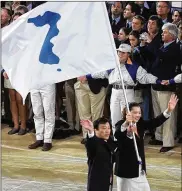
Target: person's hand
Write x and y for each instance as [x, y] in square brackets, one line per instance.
[87, 125]
[82, 79]
[5, 75]
[115, 35]
[165, 82]
[132, 128]
[172, 103]
[129, 118]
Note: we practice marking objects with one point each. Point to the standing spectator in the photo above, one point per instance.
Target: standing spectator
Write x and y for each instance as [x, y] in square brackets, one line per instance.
[43, 103]
[166, 60]
[163, 11]
[130, 11]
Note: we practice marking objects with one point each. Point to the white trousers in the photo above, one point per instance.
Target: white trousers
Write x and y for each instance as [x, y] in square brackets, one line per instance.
[133, 184]
[118, 104]
[43, 104]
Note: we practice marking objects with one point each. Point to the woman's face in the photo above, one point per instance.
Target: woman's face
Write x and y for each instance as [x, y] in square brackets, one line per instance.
[122, 36]
[136, 114]
[133, 41]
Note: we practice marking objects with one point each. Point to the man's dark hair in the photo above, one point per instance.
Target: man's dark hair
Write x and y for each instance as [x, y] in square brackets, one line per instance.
[8, 11]
[166, 2]
[22, 7]
[100, 121]
[135, 8]
[158, 21]
[139, 17]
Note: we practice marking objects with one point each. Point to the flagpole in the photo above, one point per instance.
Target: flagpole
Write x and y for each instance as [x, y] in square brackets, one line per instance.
[120, 74]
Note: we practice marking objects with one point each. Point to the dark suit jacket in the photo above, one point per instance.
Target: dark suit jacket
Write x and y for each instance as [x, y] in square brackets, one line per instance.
[126, 161]
[100, 163]
[95, 85]
[118, 26]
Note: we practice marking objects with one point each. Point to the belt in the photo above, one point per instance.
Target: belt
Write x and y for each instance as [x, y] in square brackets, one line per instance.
[117, 87]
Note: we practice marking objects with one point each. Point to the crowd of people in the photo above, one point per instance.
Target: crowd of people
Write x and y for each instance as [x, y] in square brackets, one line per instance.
[148, 38]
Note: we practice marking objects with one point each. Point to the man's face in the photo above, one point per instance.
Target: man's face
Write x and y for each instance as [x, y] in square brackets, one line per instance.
[166, 36]
[136, 25]
[162, 9]
[176, 16]
[180, 32]
[4, 17]
[140, 3]
[116, 9]
[103, 131]
[127, 12]
[152, 27]
[123, 56]
[136, 114]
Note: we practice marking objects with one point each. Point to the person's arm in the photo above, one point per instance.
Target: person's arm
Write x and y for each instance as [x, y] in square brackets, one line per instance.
[159, 120]
[99, 75]
[146, 78]
[177, 79]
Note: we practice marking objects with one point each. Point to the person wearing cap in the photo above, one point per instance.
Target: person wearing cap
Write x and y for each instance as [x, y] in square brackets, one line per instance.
[132, 73]
[100, 151]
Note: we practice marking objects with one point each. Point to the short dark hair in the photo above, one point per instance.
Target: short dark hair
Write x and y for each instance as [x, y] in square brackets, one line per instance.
[131, 105]
[166, 2]
[16, 14]
[136, 34]
[139, 17]
[158, 21]
[99, 121]
[22, 7]
[135, 8]
[180, 13]
[126, 30]
[8, 11]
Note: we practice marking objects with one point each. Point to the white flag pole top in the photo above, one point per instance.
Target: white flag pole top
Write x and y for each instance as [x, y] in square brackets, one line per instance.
[121, 78]
[81, 44]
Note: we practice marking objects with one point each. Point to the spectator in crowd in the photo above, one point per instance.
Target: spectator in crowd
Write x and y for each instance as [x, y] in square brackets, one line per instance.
[22, 9]
[5, 17]
[116, 18]
[165, 60]
[16, 103]
[163, 11]
[90, 97]
[138, 23]
[130, 170]
[14, 5]
[130, 11]
[100, 149]
[144, 11]
[43, 104]
[122, 36]
[131, 74]
[176, 17]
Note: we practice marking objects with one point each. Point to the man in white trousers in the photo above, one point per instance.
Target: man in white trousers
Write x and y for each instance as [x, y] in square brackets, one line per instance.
[43, 103]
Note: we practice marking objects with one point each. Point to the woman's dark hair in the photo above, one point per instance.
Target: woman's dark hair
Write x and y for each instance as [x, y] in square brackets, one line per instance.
[131, 105]
[158, 21]
[136, 34]
[99, 121]
[16, 14]
[125, 30]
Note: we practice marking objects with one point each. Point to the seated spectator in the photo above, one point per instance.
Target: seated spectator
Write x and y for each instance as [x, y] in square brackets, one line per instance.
[176, 17]
[22, 9]
[138, 23]
[130, 11]
[163, 11]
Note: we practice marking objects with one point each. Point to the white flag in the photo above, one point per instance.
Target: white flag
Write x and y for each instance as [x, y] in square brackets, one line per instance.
[55, 42]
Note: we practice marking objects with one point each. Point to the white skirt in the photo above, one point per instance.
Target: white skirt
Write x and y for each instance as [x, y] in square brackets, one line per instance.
[133, 184]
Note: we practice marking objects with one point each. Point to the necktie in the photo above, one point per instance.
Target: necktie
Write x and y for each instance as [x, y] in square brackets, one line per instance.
[113, 22]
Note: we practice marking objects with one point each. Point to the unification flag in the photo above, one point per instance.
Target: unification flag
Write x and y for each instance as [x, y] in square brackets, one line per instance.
[55, 42]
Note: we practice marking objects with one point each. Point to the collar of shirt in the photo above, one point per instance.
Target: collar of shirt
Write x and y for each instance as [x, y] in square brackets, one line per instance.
[167, 44]
[164, 20]
[116, 19]
[128, 23]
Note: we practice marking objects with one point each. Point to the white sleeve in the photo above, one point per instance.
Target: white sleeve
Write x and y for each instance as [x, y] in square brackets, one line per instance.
[101, 75]
[178, 78]
[90, 135]
[145, 78]
[166, 115]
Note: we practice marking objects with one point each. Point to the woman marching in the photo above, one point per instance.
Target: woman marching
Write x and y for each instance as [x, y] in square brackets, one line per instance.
[129, 171]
